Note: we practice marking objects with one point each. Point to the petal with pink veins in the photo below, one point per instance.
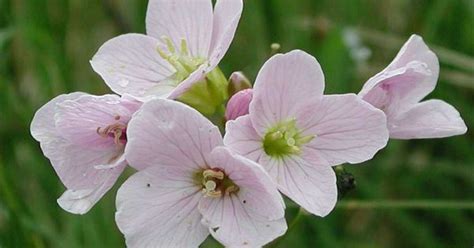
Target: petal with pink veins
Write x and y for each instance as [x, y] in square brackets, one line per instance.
[250, 217]
[81, 120]
[170, 134]
[283, 84]
[429, 119]
[242, 138]
[191, 20]
[82, 200]
[410, 77]
[346, 129]
[307, 179]
[131, 64]
[158, 207]
[226, 18]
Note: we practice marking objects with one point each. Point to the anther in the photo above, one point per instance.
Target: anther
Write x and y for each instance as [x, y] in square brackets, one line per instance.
[213, 174]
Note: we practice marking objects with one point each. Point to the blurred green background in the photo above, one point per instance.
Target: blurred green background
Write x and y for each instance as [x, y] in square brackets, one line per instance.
[416, 193]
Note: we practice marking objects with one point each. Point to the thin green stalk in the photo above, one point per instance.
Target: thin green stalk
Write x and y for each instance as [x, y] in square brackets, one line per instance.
[291, 227]
[407, 204]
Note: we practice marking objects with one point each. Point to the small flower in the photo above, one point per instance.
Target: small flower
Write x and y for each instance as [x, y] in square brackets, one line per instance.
[400, 87]
[84, 137]
[189, 185]
[238, 105]
[296, 133]
[186, 40]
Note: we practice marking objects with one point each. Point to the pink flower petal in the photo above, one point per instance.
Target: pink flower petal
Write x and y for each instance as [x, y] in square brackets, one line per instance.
[43, 124]
[226, 18]
[242, 138]
[158, 207]
[254, 215]
[282, 85]
[307, 179]
[409, 78]
[81, 201]
[169, 133]
[190, 20]
[347, 129]
[131, 64]
[429, 119]
[80, 119]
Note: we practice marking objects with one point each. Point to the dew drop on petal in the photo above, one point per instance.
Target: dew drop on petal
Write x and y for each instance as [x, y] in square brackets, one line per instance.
[124, 83]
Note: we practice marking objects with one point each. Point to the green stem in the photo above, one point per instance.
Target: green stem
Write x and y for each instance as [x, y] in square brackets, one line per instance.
[276, 243]
[408, 204]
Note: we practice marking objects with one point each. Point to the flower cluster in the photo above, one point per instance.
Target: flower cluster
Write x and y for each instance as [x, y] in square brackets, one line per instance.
[193, 178]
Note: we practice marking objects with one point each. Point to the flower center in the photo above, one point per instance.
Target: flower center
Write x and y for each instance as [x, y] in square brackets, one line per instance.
[117, 131]
[180, 59]
[284, 139]
[216, 184]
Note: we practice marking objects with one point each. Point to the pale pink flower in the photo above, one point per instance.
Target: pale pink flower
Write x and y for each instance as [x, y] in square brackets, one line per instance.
[189, 185]
[185, 40]
[400, 87]
[238, 104]
[296, 133]
[84, 137]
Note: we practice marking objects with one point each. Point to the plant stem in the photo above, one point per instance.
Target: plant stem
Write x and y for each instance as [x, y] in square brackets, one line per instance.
[407, 204]
[292, 225]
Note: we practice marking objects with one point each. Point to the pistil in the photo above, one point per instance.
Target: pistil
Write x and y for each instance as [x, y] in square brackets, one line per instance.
[284, 139]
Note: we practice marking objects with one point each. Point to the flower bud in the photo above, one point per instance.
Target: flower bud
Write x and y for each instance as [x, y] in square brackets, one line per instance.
[238, 105]
[237, 82]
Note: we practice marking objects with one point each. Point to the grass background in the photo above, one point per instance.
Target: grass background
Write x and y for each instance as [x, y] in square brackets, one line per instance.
[45, 46]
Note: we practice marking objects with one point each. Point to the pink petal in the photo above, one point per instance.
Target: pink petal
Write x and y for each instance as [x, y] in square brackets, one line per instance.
[190, 20]
[158, 207]
[169, 133]
[347, 129]
[307, 179]
[409, 78]
[131, 64]
[251, 217]
[82, 200]
[282, 85]
[242, 138]
[226, 19]
[43, 124]
[78, 120]
[429, 119]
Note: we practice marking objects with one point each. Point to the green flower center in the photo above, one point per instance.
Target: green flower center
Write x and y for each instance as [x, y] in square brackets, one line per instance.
[180, 59]
[215, 183]
[284, 139]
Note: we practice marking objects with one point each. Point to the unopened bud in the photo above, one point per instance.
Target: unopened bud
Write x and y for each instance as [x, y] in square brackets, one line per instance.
[237, 82]
[238, 105]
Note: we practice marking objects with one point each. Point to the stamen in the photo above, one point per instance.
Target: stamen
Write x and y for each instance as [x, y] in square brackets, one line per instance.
[181, 60]
[215, 183]
[184, 48]
[213, 174]
[169, 44]
[116, 131]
